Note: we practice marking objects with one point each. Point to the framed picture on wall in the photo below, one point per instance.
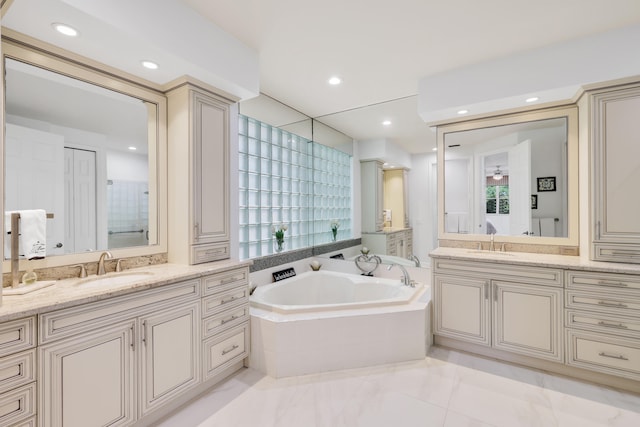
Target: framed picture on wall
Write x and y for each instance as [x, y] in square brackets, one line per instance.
[534, 201]
[547, 184]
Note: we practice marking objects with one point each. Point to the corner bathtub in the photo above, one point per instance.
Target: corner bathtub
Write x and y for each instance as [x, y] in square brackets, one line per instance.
[323, 321]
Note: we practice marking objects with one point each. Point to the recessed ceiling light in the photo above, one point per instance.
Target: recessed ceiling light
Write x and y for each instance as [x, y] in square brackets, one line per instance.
[150, 65]
[434, 149]
[386, 123]
[335, 80]
[385, 164]
[463, 112]
[532, 99]
[132, 148]
[65, 29]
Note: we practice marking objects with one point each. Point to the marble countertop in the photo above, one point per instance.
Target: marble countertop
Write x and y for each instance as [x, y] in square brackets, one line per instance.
[73, 292]
[539, 260]
[387, 230]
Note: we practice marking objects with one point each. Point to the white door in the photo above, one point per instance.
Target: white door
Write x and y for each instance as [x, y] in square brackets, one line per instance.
[80, 200]
[520, 189]
[35, 178]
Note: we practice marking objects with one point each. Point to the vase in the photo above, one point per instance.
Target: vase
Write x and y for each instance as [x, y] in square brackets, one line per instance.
[279, 245]
[334, 235]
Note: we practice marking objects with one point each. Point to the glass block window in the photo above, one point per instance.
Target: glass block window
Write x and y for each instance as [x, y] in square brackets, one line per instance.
[288, 180]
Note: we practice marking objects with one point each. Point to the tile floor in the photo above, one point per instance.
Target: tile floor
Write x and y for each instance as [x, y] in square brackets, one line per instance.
[447, 388]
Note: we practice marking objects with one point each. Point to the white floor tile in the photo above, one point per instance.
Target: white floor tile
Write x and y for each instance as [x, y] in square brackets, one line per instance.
[446, 389]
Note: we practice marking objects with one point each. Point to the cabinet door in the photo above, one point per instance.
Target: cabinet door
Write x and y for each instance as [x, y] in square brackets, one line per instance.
[527, 319]
[462, 309]
[88, 379]
[211, 169]
[616, 164]
[170, 354]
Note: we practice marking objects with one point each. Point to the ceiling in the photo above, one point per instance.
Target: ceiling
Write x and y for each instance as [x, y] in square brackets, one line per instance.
[380, 49]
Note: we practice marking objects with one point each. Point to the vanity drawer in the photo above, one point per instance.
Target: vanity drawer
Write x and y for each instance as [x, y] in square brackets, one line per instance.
[626, 252]
[223, 350]
[498, 271]
[17, 335]
[611, 303]
[602, 322]
[609, 282]
[17, 369]
[225, 300]
[210, 252]
[74, 320]
[221, 281]
[603, 353]
[17, 405]
[224, 320]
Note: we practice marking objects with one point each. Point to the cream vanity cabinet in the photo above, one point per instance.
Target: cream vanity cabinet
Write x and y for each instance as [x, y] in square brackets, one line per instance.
[603, 322]
[372, 183]
[615, 162]
[397, 243]
[199, 132]
[112, 362]
[18, 372]
[517, 309]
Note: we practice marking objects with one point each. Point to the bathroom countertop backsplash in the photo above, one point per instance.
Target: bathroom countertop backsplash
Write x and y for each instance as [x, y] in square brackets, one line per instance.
[68, 292]
[535, 259]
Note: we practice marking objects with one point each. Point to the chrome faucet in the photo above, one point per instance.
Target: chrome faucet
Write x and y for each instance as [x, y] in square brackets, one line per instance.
[103, 255]
[492, 246]
[406, 280]
[415, 259]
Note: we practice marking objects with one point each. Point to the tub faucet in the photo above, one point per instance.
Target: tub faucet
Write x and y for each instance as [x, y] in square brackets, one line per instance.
[406, 280]
[103, 255]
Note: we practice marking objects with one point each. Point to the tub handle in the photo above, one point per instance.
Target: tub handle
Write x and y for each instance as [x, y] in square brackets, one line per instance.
[230, 319]
[229, 350]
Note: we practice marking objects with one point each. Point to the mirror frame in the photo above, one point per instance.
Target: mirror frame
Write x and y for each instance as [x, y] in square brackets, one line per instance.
[71, 65]
[571, 113]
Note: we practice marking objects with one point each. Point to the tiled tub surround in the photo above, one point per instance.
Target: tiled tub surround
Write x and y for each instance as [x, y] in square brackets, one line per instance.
[339, 330]
[564, 314]
[152, 344]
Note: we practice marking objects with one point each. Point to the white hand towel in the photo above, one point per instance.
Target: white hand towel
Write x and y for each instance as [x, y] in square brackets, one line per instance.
[548, 227]
[33, 234]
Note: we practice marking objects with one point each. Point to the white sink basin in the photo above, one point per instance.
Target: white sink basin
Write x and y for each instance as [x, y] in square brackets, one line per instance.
[115, 279]
[479, 252]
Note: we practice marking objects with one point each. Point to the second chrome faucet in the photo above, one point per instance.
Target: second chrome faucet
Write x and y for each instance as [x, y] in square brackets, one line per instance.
[101, 269]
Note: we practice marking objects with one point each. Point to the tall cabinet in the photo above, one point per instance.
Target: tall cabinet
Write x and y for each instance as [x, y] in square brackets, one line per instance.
[199, 144]
[372, 182]
[615, 162]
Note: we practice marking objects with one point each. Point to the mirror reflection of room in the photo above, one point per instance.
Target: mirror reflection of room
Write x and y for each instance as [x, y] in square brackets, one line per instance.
[78, 151]
[508, 180]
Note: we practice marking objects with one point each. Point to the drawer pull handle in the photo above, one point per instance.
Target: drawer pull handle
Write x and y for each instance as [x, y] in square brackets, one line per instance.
[230, 319]
[612, 356]
[613, 325]
[228, 300]
[228, 280]
[627, 254]
[612, 284]
[229, 350]
[612, 304]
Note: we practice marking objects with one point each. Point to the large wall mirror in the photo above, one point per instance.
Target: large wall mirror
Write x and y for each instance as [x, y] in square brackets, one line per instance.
[87, 148]
[514, 176]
